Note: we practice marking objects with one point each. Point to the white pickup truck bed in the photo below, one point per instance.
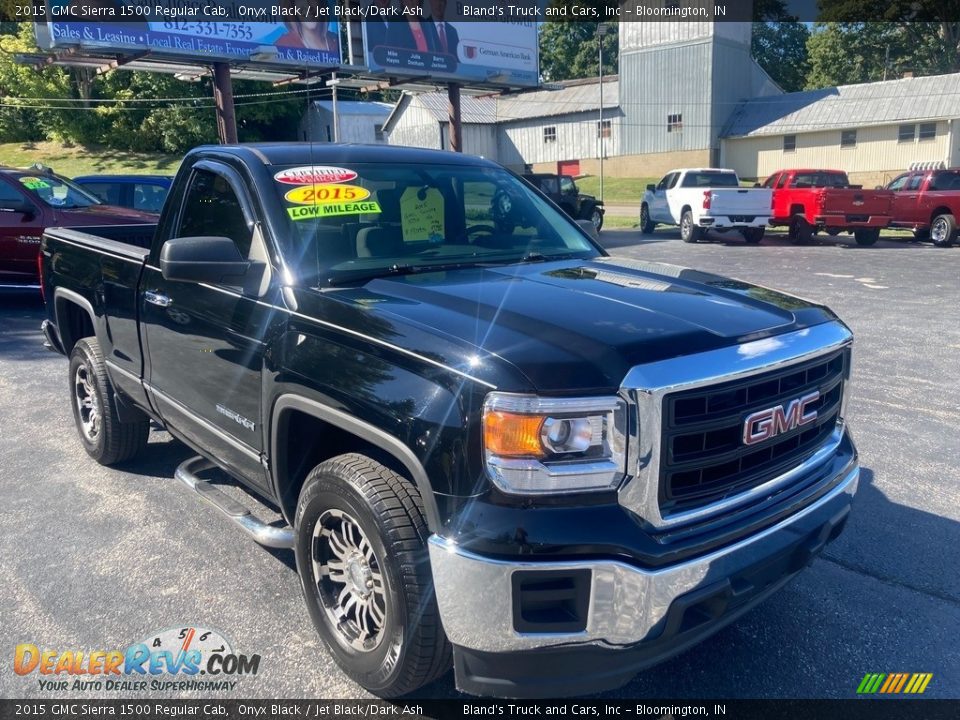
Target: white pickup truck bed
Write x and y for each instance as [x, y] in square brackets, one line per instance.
[700, 199]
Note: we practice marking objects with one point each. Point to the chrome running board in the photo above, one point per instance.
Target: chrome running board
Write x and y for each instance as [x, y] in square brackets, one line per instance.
[268, 535]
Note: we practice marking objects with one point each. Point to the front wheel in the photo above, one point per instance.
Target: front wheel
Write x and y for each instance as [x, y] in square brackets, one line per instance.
[647, 225]
[943, 230]
[866, 237]
[596, 217]
[689, 232]
[104, 436]
[752, 236]
[363, 563]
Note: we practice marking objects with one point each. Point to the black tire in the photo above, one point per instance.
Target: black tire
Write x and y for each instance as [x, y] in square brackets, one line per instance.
[866, 237]
[801, 232]
[647, 226]
[689, 232]
[409, 648]
[596, 217]
[752, 236]
[943, 230]
[105, 438]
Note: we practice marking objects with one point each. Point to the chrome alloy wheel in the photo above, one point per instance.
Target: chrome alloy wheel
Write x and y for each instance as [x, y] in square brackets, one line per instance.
[88, 404]
[349, 580]
[939, 230]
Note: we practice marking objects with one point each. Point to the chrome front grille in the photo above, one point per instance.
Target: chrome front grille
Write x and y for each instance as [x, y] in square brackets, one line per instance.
[703, 456]
[686, 458]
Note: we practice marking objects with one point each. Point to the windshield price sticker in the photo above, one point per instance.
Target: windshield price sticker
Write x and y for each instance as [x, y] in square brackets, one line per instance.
[309, 212]
[322, 194]
[34, 183]
[314, 175]
[421, 214]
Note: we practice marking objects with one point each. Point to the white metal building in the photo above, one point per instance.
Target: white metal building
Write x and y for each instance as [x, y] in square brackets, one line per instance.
[541, 129]
[873, 131]
[360, 122]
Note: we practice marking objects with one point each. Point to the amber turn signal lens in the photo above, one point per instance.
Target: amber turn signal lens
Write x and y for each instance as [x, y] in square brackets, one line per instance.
[512, 435]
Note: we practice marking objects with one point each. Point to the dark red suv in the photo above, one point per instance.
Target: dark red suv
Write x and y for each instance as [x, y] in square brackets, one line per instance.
[32, 200]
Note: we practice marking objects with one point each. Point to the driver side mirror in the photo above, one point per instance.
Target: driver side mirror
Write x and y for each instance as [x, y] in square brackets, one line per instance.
[651, 187]
[20, 206]
[203, 259]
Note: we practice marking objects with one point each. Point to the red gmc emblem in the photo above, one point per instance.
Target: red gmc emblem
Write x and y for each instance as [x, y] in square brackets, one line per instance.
[765, 424]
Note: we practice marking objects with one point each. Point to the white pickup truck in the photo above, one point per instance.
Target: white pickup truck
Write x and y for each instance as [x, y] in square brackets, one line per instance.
[701, 199]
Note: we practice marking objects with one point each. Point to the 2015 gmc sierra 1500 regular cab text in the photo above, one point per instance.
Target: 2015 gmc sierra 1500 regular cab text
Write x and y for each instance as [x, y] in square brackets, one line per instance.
[556, 466]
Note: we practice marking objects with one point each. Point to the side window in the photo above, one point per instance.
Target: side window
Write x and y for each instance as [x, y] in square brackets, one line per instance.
[898, 183]
[672, 183]
[110, 193]
[662, 185]
[566, 185]
[771, 181]
[148, 197]
[9, 196]
[549, 186]
[782, 182]
[915, 182]
[212, 208]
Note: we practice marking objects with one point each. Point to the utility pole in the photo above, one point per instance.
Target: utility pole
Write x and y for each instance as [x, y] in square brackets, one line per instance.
[223, 99]
[332, 83]
[455, 135]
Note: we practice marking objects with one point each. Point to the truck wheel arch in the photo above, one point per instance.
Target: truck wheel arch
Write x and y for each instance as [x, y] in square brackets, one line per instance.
[74, 317]
[942, 210]
[287, 479]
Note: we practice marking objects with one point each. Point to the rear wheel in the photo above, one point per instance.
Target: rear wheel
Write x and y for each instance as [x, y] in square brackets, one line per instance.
[752, 236]
[104, 436]
[943, 230]
[867, 237]
[689, 232]
[647, 225]
[801, 232]
[362, 558]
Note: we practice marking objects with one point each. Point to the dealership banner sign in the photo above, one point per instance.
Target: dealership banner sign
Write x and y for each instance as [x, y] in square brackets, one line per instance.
[193, 29]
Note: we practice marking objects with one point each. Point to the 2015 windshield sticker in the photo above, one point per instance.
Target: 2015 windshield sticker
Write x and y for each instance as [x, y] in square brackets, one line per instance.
[314, 175]
[308, 212]
[34, 183]
[322, 194]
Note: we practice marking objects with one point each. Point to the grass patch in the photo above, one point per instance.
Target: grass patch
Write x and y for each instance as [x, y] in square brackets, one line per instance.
[616, 191]
[87, 160]
[618, 222]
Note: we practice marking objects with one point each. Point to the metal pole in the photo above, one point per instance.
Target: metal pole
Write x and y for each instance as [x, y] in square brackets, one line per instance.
[336, 116]
[223, 99]
[455, 129]
[600, 126]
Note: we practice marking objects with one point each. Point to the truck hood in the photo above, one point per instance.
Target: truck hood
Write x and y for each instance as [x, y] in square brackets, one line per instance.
[576, 325]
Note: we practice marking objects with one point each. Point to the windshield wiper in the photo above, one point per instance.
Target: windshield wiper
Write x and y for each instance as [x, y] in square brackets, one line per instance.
[404, 269]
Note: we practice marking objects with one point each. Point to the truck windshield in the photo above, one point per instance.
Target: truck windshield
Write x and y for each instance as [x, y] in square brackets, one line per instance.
[57, 192]
[708, 179]
[365, 220]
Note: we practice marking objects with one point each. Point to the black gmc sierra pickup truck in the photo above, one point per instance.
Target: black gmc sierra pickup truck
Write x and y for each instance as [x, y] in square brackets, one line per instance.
[506, 447]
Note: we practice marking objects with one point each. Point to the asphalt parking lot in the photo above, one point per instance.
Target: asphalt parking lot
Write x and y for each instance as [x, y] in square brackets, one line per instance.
[95, 558]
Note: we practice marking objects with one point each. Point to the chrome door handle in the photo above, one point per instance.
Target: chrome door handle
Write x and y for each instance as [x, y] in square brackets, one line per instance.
[155, 298]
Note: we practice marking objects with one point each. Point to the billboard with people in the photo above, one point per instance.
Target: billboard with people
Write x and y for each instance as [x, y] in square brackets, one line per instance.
[296, 42]
[436, 39]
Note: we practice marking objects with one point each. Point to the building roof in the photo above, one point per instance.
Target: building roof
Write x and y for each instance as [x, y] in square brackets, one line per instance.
[356, 107]
[570, 96]
[573, 96]
[848, 106]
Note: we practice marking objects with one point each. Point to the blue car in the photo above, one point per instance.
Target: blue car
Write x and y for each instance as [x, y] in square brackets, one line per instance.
[141, 192]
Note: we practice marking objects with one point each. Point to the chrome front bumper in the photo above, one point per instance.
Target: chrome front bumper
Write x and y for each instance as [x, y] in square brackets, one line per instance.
[627, 604]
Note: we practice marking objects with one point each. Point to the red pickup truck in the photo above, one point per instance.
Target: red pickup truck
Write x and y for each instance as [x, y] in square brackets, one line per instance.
[927, 202]
[808, 201]
[33, 200]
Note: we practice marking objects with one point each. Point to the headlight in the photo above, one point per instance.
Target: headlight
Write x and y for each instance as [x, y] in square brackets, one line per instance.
[544, 446]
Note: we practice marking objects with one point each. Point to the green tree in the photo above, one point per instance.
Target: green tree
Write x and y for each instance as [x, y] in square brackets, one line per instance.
[780, 48]
[569, 47]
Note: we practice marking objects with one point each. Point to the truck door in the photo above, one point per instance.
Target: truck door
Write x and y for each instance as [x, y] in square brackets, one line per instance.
[659, 212]
[903, 206]
[205, 343]
[21, 225]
